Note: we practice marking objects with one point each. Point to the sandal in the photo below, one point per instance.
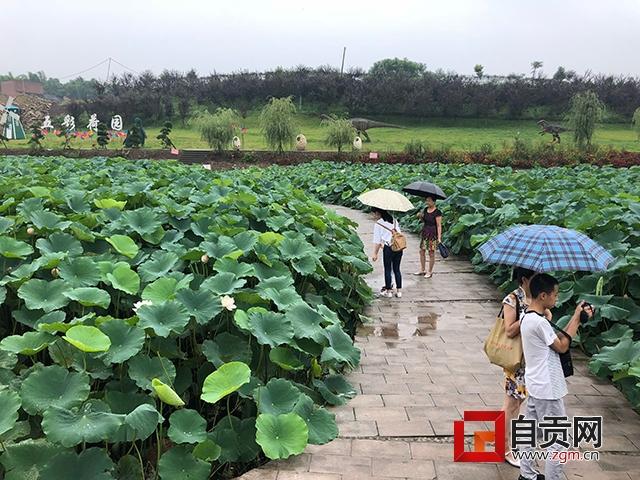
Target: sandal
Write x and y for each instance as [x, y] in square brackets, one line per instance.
[419, 273]
[428, 275]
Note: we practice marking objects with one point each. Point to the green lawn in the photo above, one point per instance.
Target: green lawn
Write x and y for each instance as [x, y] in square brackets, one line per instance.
[458, 134]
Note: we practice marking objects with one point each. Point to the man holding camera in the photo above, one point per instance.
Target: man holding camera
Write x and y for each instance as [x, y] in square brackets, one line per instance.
[544, 375]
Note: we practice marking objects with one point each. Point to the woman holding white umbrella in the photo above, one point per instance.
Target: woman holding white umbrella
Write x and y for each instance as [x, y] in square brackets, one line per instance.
[387, 235]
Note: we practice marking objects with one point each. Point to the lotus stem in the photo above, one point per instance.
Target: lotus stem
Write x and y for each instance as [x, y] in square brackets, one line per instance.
[140, 460]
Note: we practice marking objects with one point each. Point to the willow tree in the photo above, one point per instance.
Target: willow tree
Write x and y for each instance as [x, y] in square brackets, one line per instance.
[586, 111]
[278, 123]
[217, 129]
[635, 122]
[340, 132]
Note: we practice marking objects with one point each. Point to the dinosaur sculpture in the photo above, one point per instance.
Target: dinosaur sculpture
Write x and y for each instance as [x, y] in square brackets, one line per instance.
[554, 130]
[363, 124]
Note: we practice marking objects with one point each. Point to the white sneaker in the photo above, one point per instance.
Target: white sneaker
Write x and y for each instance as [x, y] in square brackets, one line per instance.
[387, 294]
[399, 294]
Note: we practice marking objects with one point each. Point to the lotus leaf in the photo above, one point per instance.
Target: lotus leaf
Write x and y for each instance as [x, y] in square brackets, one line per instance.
[125, 279]
[201, 304]
[44, 295]
[270, 328]
[225, 348]
[225, 380]
[187, 426]
[90, 423]
[124, 245]
[143, 369]
[322, 424]
[126, 341]
[28, 344]
[92, 464]
[180, 463]
[163, 318]
[53, 386]
[281, 436]
[278, 396]
[89, 296]
[87, 339]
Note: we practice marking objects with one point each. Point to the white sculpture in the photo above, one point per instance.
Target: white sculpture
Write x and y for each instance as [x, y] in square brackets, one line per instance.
[46, 124]
[93, 122]
[357, 143]
[301, 142]
[236, 143]
[116, 123]
[69, 123]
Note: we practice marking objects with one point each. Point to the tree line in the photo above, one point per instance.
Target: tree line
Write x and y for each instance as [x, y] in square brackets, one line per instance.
[390, 87]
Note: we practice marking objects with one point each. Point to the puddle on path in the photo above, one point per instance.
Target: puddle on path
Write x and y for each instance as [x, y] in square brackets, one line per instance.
[412, 327]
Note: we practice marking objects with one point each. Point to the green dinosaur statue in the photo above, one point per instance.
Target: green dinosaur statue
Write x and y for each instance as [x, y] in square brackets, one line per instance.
[363, 124]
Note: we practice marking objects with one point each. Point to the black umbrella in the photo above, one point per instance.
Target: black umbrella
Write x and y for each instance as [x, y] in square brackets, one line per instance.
[425, 189]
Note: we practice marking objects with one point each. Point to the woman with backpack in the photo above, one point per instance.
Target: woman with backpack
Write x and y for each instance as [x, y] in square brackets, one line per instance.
[383, 232]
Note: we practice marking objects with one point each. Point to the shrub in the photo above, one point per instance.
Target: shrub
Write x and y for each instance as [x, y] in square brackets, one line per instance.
[218, 129]
[635, 122]
[277, 123]
[35, 142]
[340, 132]
[103, 135]
[164, 138]
[416, 148]
[486, 148]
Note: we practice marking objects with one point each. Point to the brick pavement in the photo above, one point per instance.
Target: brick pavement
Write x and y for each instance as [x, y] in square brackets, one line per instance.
[422, 366]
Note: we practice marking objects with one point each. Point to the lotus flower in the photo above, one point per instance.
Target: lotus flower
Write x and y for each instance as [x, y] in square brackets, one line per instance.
[139, 304]
[228, 302]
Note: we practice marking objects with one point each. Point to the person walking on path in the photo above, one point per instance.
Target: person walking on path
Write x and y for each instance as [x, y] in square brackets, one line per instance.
[513, 306]
[430, 237]
[544, 376]
[382, 235]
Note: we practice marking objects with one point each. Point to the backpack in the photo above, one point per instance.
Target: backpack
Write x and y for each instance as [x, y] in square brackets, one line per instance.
[398, 240]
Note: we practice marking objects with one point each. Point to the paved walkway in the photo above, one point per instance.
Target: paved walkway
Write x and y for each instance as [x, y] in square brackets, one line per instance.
[422, 366]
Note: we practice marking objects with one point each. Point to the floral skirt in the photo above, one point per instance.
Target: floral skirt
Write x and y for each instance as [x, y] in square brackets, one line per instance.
[514, 384]
[429, 244]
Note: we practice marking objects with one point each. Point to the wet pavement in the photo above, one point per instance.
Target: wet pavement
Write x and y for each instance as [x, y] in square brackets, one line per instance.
[422, 366]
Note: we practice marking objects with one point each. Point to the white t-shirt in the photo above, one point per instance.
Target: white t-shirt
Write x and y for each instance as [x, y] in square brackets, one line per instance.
[381, 234]
[543, 371]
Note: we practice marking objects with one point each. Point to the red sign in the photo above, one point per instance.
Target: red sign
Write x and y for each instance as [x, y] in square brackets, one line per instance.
[175, 151]
[480, 438]
[373, 155]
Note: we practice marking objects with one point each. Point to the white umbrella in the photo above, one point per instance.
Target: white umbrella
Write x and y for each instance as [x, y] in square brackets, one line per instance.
[386, 200]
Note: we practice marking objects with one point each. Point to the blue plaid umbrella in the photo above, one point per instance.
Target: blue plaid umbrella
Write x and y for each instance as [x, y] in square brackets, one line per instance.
[546, 248]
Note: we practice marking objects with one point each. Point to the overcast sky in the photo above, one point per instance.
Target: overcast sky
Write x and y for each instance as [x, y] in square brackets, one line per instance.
[63, 37]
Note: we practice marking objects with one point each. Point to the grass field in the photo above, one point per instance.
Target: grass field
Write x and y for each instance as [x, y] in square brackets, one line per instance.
[457, 134]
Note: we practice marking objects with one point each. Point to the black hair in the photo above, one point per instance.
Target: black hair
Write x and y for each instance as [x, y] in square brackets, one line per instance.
[386, 216]
[520, 273]
[542, 283]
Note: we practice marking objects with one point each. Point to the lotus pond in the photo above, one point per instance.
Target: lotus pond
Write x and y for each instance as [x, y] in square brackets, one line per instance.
[159, 320]
[603, 202]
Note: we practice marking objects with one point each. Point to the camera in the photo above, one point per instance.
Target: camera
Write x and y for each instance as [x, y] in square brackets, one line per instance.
[584, 316]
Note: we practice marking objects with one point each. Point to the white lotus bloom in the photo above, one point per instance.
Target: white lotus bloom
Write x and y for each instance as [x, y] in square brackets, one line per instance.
[228, 302]
[139, 304]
